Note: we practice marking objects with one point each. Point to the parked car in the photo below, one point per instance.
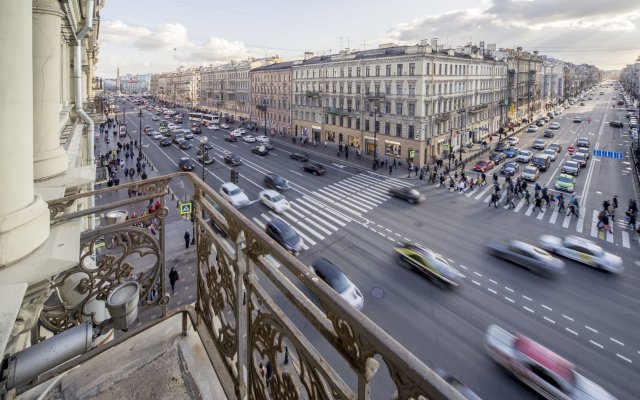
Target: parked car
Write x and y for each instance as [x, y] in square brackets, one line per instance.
[330, 274]
[407, 193]
[314, 168]
[483, 165]
[582, 250]
[275, 182]
[299, 156]
[531, 257]
[285, 235]
[234, 195]
[186, 164]
[232, 159]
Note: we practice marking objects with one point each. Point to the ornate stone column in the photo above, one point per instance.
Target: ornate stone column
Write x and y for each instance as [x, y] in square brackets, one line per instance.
[49, 158]
[24, 218]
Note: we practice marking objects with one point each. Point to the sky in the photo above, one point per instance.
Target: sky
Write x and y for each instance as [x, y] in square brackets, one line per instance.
[151, 36]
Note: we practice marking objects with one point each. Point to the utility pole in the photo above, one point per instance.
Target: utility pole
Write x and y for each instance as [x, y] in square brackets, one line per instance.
[140, 126]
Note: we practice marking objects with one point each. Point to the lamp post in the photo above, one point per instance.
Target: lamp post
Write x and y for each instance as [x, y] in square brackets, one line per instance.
[140, 126]
[203, 153]
[263, 107]
[463, 111]
[375, 115]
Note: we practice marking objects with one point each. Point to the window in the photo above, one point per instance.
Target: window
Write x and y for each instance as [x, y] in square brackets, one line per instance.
[399, 69]
[357, 104]
[387, 128]
[412, 109]
[399, 89]
[387, 107]
[388, 69]
[411, 132]
[357, 88]
[426, 89]
[341, 87]
[366, 125]
[387, 88]
[398, 129]
[377, 70]
[377, 126]
[399, 108]
[366, 71]
[341, 72]
[357, 123]
[357, 71]
[412, 68]
[377, 89]
[349, 72]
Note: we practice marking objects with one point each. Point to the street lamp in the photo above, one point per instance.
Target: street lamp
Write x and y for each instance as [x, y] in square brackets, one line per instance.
[140, 126]
[263, 107]
[203, 153]
[375, 115]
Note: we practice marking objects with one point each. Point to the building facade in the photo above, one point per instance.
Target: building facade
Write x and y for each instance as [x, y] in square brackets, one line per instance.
[630, 78]
[135, 84]
[180, 88]
[524, 81]
[271, 97]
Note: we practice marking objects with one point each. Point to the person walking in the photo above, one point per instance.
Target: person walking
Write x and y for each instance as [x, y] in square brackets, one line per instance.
[390, 169]
[494, 200]
[173, 278]
[527, 197]
[510, 200]
[560, 199]
[538, 204]
[187, 239]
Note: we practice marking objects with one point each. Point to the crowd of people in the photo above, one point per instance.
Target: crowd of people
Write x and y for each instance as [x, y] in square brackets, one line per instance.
[120, 160]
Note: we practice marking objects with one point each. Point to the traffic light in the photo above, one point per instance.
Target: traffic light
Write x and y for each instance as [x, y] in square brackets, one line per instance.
[235, 176]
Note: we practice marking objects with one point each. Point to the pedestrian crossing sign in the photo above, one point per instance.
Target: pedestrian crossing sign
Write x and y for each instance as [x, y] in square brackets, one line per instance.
[185, 208]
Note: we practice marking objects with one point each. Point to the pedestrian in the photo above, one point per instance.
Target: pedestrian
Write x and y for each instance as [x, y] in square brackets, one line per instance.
[187, 239]
[510, 200]
[538, 203]
[527, 197]
[390, 169]
[346, 154]
[131, 173]
[325, 144]
[173, 278]
[494, 200]
[560, 199]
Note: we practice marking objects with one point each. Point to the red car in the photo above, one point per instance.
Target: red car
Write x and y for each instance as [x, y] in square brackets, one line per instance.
[230, 138]
[483, 165]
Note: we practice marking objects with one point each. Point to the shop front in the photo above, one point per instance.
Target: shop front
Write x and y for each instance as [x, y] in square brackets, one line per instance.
[369, 146]
[316, 133]
[392, 149]
[354, 141]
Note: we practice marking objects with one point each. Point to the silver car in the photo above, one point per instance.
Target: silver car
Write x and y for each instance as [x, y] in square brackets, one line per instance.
[528, 256]
[571, 168]
[530, 173]
[552, 153]
[582, 250]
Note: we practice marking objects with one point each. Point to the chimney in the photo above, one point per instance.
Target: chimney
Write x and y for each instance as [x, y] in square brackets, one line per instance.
[308, 55]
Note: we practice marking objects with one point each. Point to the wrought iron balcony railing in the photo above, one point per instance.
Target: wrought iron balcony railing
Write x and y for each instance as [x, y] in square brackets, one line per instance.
[240, 273]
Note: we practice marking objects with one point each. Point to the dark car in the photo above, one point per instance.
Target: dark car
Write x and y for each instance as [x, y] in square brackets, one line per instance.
[165, 141]
[548, 133]
[502, 146]
[186, 164]
[275, 182]
[457, 385]
[300, 157]
[616, 124]
[232, 159]
[285, 235]
[510, 152]
[497, 158]
[510, 168]
[267, 146]
[260, 150]
[314, 168]
[407, 193]
[230, 138]
[186, 145]
[196, 129]
[329, 273]
[530, 257]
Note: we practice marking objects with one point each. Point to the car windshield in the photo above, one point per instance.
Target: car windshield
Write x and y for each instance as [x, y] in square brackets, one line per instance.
[524, 153]
[340, 283]
[482, 163]
[235, 191]
[550, 151]
[276, 198]
[278, 179]
[510, 165]
[579, 156]
[571, 164]
[565, 179]
[529, 170]
[288, 234]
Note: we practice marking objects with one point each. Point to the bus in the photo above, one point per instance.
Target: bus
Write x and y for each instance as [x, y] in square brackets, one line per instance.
[210, 119]
[195, 116]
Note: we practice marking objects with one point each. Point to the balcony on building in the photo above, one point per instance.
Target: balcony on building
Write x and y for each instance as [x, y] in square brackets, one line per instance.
[252, 303]
[311, 93]
[374, 95]
[478, 108]
[340, 111]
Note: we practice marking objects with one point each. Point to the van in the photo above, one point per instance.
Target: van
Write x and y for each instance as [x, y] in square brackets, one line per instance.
[542, 161]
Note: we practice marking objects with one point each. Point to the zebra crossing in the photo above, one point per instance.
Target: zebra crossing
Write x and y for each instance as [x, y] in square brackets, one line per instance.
[322, 212]
[552, 216]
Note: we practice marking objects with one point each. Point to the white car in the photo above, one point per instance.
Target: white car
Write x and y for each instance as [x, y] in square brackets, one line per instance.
[513, 140]
[213, 127]
[552, 153]
[224, 126]
[532, 128]
[554, 125]
[157, 135]
[235, 133]
[234, 195]
[582, 250]
[172, 126]
[249, 139]
[274, 200]
[524, 156]
[262, 139]
[240, 131]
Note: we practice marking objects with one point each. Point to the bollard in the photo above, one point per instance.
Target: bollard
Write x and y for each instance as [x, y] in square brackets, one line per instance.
[173, 196]
[177, 204]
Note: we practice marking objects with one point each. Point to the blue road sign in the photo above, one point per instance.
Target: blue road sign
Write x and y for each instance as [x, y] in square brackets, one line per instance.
[608, 154]
[185, 208]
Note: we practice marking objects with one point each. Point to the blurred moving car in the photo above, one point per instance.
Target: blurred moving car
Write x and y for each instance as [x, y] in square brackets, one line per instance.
[234, 195]
[532, 128]
[186, 164]
[158, 136]
[275, 182]
[232, 159]
[224, 126]
[314, 168]
[513, 140]
[249, 139]
[547, 373]
[230, 138]
[577, 119]
[274, 200]
[582, 250]
[434, 266]
[511, 152]
[497, 158]
[457, 385]
[338, 281]
[299, 156]
[528, 256]
[285, 235]
[260, 150]
[262, 139]
[213, 127]
[407, 193]
[554, 125]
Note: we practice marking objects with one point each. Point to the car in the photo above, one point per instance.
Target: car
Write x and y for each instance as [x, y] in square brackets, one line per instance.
[163, 129]
[531, 257]
[510, 168]
[460, 387]
[230, 138]
[616, 124]
[150, 132]
[171, 126]
[584, 150]
[165, 141]
[530, 173]
[555, 146]
[196, 129]
[513, 141]
[577, 120]
[552, 153]
[524, 156]
[511, 152]
[147, 128]
[260, 150]
[209, 157]
[178, 138]
[410, 194]
[314, 168]
[550, 115]
[249, 139]
[155, 118]
[234, 195]
[566, 183]
[428, 263]
[196, 124]
[502, 146]
[583, 142]
[554, 126]
[532, 128]
[582, 250]
[213, 127]
[548, 133]
[571, 168]
[285, 235]
[238, 132]
[188, 134]
[185, 145]
[232, 159]
[275, 182]
[540, 122]
[158, 136]
[539, 144]
[267, 146]
[483, 165]
[541, 161]
[262, 139]
[330, 274]
[542, 370]
[580, 158]
[497, 158]
[186, 164]
[274, 200]
[299, 157]
[224, 126]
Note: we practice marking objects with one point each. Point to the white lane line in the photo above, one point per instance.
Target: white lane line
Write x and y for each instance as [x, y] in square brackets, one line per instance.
[541, 214]
[477, 273]
[571, 331]
[463, 276]
[258, 222]
[546, 308]
[492, 281]
[580, 223]
[492, 291]
[482, 193]
[509, 300]
[388, 230]
[409, 240]
[569, 318]
[476, 282]
[463, 267]
[625, 239]
[624, 358]
[567, 221]
[527, 298]
[616, 341]
[554, 216]
[591, 329]
[528, 309]
[609, 237]
[596, 344]
[509, 289]
[297, 173]
[550, 320]
[529, 210]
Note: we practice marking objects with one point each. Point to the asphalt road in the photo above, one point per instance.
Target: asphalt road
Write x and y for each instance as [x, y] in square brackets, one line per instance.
[586, 316]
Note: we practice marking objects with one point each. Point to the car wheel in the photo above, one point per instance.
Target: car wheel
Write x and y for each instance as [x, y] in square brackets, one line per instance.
[412, 201]
[315, 173]
[406, 264]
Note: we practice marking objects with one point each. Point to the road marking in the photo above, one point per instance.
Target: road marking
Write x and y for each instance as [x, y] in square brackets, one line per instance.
[492, 281]
[297, 173]
[550, 320]
[509, 300]
[492, 291]
[546, 308]
[591, 329]
[571, 331]
[596, 344]
[528, 309]
[258, 222]
[541, 214]
[477, 273]
[616, 341]
[463, 267]
[527, 298]
[624, 358]
[569, 318]
[567, 220]
[509, 289]
[476, 282]
[554, 216]
[625, 239]
[529, 210]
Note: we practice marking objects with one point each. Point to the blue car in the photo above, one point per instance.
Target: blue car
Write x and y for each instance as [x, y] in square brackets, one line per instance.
[510, 152]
